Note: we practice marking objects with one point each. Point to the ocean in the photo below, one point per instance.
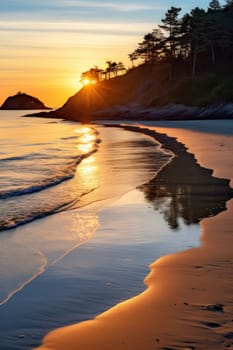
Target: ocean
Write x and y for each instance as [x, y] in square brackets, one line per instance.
[39, 162]
[78, 229]
[37, 159]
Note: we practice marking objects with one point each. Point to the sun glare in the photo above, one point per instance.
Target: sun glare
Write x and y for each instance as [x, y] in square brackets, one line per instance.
[83, 130]
[86, 82]
[87, 138]
[86, 141]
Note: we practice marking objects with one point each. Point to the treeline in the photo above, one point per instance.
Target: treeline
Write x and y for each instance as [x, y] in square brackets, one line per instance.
[199, 38]
[96, 74]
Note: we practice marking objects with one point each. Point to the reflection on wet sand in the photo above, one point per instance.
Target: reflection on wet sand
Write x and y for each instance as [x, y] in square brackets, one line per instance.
[192, 194]
[26, 253]
[183, 189]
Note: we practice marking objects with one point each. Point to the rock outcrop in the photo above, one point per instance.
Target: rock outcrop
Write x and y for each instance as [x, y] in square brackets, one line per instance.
[23, 101]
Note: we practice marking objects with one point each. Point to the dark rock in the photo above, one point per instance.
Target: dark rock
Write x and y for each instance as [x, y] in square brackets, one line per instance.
[23, 101]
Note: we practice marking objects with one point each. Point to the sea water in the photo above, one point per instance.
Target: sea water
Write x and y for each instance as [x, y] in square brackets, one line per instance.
[49, 166]
[48, 276]
[38, 157]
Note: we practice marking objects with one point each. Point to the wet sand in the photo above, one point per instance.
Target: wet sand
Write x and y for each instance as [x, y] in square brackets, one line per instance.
[188, 303]
[74, 265]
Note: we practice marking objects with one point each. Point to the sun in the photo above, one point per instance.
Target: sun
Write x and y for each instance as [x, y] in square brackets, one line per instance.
[87, 81]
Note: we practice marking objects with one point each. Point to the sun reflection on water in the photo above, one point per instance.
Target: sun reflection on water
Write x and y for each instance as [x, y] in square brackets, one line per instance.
[83, 130]
[88, 173]
[89, 166]
[85, 148]
[86, 140]
[85, 225]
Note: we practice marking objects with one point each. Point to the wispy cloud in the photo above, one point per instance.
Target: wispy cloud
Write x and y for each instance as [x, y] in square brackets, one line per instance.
[120, 6]
[56, 26]
[107, 5]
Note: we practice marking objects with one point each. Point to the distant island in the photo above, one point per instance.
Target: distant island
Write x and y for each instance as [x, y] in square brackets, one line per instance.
[23, 101]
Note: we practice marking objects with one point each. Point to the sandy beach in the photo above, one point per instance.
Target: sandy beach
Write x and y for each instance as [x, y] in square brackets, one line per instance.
[116, 181]
[188, 301]
[72, 266]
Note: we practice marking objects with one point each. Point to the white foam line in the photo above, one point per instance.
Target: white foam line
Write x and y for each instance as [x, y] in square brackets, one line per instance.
[68, 252]
[29, 280]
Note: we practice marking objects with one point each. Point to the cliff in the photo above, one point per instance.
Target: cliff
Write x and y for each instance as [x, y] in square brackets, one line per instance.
[23, 101]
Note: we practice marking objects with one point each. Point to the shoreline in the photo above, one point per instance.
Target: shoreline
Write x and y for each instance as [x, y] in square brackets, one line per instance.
[133, 324]
[133, 112]
[167, 112]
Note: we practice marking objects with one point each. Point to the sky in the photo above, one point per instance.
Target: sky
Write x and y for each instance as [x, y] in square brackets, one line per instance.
[45, 45]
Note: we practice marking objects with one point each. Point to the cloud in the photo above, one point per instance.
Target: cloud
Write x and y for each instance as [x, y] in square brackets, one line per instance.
[110, 5]
[92, 4]
[56, 26]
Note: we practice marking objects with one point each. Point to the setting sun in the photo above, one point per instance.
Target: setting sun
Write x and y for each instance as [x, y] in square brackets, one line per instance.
[87, 81]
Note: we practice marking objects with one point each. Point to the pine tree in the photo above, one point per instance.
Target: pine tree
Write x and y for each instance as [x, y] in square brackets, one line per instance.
[133, 56]
[198, 38]
[229, 3]
[150, 48]
[214, 5]
[171, 24]
[185, 38]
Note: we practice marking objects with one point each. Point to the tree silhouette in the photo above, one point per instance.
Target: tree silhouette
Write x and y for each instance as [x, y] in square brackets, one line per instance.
[214, 5]
[199, 41]
[133, 56]
[150, 49]
[120, 68]
[172, 24]
[229, 3]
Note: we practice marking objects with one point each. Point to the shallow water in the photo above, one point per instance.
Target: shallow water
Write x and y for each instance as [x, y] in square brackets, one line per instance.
[38, 157]
[71, 266]
[81, 281]
[124, 161]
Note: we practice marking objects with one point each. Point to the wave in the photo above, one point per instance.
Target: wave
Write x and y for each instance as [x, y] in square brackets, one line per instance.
[25, 157]
[69, 138]
[12, 159]
[19, 221]
[43, 184]
[64, 174]
[23, 284]
[41, 209]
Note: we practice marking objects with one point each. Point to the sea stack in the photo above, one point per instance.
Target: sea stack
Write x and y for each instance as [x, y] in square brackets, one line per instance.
[23, 101]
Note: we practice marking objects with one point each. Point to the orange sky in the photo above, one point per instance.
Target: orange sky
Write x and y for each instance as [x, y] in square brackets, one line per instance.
[48, 64]
[46, 45]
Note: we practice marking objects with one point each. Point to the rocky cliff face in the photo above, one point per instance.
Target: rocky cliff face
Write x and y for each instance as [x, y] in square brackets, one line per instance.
[23, 101]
